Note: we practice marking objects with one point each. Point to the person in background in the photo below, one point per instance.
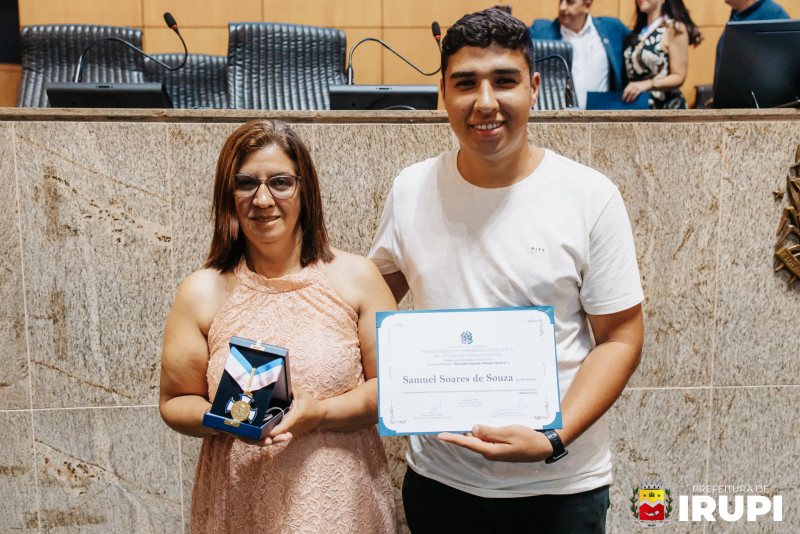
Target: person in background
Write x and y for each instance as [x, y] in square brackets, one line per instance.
[750, 10]
[657, 53]
[596, 46]
[499, 222]
[271, 276]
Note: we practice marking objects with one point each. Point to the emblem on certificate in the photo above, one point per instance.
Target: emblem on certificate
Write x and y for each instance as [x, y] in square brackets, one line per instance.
[254, 391]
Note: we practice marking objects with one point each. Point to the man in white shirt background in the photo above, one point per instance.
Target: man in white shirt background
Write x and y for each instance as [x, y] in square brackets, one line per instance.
[596, 44]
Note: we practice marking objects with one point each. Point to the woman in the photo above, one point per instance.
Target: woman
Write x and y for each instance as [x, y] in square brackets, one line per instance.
[270, 275]
[657, 52]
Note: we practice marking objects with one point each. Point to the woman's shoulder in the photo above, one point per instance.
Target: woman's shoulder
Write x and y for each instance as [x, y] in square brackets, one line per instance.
[203, 292]
[350, 268]
[675, 27]
[353, 277]
[203, 283]
[676, 32]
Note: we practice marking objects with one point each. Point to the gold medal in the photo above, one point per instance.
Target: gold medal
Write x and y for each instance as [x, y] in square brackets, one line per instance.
[241, 410]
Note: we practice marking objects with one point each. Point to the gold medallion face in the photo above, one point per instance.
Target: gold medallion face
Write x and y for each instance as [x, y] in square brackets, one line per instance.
[240, 410]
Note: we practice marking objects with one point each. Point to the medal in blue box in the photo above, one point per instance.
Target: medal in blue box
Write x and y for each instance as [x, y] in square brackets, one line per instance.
[254, 392]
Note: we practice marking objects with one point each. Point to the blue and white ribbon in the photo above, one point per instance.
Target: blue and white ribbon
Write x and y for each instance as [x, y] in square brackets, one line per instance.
[240, 370]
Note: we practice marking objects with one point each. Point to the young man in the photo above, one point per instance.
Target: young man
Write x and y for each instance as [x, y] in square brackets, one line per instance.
[499, 222]
[597, 44]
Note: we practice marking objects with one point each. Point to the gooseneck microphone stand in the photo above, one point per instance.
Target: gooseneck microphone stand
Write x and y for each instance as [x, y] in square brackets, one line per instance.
[172, 25]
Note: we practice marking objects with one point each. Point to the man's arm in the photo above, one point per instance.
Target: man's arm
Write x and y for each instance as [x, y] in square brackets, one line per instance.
[398, 284]
[597, 385]
[545, 29]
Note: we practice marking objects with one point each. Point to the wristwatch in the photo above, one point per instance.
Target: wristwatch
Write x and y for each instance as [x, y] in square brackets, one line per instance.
[558, 448]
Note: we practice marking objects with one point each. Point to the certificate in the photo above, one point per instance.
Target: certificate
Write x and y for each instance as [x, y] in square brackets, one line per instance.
[447, 370]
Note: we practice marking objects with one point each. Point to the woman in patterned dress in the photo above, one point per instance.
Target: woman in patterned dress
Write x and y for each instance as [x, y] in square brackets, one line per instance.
[270, 275]
[656, 52]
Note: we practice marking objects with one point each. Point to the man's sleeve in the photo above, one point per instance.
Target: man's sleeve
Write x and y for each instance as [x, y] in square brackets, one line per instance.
[611, 280]
[543, 29]
[385, 251]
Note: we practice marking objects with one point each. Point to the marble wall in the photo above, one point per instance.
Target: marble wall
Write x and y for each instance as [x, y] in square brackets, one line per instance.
[105, 218]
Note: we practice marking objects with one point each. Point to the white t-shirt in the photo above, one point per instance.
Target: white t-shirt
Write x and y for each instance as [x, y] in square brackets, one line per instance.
[589, 60]
[559, 237]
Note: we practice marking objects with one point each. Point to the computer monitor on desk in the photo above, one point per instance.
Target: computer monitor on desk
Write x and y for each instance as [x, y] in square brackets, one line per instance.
[384, 97]
[759, 65]
[107, 95]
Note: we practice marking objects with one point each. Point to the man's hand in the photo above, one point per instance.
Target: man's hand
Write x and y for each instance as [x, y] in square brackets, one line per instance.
[514, 443]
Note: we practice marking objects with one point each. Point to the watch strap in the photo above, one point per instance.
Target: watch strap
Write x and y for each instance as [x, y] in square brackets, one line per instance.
[558, 447]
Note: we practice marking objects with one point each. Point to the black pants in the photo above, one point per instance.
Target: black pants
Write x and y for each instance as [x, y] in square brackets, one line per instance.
[432, 507]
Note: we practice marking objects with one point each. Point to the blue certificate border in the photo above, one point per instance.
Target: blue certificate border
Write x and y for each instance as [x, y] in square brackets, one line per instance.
[383, 430]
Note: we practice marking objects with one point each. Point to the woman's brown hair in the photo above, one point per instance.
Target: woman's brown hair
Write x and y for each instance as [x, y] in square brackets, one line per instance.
[227, 243]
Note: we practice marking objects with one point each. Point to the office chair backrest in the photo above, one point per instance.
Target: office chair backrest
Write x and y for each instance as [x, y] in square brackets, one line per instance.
[556, 90]
[50, 54]
[200, 83]
[283, 66]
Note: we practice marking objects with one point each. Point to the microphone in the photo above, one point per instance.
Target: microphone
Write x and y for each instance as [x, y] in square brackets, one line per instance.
[168, 18]
[436, 35]
[569, 88]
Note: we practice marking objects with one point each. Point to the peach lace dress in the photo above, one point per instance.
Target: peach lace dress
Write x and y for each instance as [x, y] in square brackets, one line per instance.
[322, 481]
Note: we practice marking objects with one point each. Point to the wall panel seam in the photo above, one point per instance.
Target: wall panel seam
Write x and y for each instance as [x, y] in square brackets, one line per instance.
[25, 321]
[715, 311]
[172, 277]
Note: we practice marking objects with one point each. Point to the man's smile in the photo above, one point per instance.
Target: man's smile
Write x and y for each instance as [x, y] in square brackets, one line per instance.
[487, 126]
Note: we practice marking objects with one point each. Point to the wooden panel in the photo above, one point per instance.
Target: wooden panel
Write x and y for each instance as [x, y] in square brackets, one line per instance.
[368, 57]
[527, 12]
[420, 13]
[701, 62]
[10, 76]
[112, 13]
[627, 11]
[198, 41]
[606, 8]
[419, 47]
[792, 7]
[335, 14]
[201, 13]
[705, 13]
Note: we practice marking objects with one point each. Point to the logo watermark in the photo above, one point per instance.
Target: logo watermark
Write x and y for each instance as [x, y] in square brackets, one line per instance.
[748, 502]
[652, 504]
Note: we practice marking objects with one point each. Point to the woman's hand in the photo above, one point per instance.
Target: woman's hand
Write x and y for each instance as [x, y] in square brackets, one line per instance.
[634, 89]
[305, 415]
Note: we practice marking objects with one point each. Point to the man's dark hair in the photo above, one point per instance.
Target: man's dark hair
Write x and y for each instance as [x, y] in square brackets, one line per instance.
[485, 28]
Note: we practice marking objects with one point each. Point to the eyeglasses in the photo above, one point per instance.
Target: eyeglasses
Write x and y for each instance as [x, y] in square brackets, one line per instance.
[281, 186]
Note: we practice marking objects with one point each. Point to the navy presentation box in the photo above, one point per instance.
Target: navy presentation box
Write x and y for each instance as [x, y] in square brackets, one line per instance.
[255, 390]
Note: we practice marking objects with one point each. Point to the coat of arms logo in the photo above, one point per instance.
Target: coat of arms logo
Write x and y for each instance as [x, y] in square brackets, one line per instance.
[651, 505]
[466, 337]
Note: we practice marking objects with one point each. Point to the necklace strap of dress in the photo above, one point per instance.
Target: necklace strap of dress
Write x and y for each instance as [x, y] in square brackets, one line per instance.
[650, 28]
